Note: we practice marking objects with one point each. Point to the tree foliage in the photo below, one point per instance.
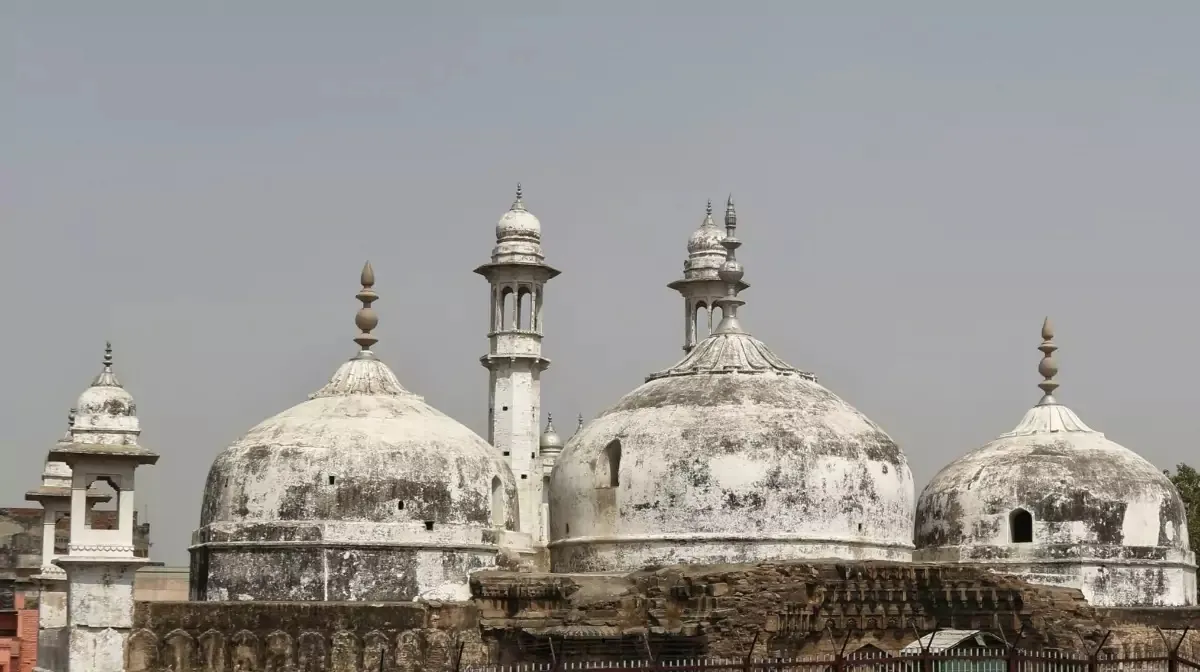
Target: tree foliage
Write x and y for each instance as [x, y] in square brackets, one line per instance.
[1187, 481]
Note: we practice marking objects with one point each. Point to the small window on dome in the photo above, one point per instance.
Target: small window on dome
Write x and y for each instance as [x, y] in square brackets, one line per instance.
[332, 480]
[497, 502]
[1020, 526]
[400, 505]
[429, 525]
[612, 455]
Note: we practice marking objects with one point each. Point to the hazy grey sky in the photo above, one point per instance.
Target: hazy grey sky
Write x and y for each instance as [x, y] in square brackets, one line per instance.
[201, 182]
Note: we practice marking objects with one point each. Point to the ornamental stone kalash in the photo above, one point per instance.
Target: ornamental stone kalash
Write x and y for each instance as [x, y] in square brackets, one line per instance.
[731, 455]
[1056, 502]
[363, 492]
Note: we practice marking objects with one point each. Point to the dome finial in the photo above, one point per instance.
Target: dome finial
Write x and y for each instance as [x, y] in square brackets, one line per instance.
[580, 425]
[518, 204]
[731, 273]
[366, 319]
[708, 208]
[1048, 368]
[107, 378]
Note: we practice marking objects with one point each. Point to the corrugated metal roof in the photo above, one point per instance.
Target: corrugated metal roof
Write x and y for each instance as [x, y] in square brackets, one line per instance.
[947, 639]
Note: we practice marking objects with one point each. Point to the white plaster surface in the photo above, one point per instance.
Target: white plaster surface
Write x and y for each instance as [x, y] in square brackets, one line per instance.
[351, 493]
[1105, 520]
[730, 456]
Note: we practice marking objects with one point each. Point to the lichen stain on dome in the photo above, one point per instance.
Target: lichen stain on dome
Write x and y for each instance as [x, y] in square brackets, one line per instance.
[379, 451]
[362, 492]
[823, 419]
[1080, 485]
[738, 456]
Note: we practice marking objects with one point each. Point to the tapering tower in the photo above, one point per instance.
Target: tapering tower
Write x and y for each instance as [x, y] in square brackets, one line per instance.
[518, 274]
[100, 564]
[701, 286]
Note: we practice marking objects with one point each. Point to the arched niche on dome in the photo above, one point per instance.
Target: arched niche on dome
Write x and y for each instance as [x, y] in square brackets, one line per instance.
[1020, 526]
[609, 471]
[497, 502]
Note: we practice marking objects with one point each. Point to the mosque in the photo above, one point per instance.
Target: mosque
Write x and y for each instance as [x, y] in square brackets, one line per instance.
[365, 493]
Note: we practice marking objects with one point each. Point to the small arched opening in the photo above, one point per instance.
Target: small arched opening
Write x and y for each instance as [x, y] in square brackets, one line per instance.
[1020, 526]
[524, 308]
[701, 322]
[612, 458]
[497, 502]
[103, 507]
[715, 316]
[507, 308]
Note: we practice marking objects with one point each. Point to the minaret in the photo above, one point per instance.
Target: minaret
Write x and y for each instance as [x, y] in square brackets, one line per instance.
[518, 274]
[100, 564]
[54, 494]
[701, 286]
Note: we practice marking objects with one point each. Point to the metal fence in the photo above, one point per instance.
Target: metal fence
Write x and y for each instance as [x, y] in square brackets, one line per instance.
[970, 660]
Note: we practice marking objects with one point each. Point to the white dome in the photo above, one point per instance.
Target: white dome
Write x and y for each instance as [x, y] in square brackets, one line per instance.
[105, 413]
[518, 223]
[378, 446]
[707, 238]
[363, 492]
[1059, 503]
[518, 236]
[550, 441]
[706, 254]
[729, 456]
[105, 400]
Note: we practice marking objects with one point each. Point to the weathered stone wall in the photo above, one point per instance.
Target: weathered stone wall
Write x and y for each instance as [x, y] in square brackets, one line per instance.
[792, 608]
[334, 573]
[301, 637]
[795, 608]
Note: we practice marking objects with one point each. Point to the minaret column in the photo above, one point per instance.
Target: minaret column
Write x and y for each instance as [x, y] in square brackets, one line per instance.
[100, 565]
[514, 360]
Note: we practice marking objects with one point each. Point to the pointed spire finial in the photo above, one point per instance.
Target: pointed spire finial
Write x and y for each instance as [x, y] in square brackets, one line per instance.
[708, 208]
[106, 376]
[731, 273]
[1048, 368]
[518, 203]
[366, 319]
[580, 425]
[549, 422]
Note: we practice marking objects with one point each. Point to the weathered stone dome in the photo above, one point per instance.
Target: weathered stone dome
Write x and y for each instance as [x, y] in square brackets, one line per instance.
[362, 492]
[361, 450]
[518, 222]
[707, 238]
[550, 442]
[706, 254]
[731, 455]
[1057, 502]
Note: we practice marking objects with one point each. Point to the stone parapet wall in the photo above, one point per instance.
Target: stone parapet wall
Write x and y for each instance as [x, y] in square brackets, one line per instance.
[795, 608]
[719, 611]
[301, 637]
